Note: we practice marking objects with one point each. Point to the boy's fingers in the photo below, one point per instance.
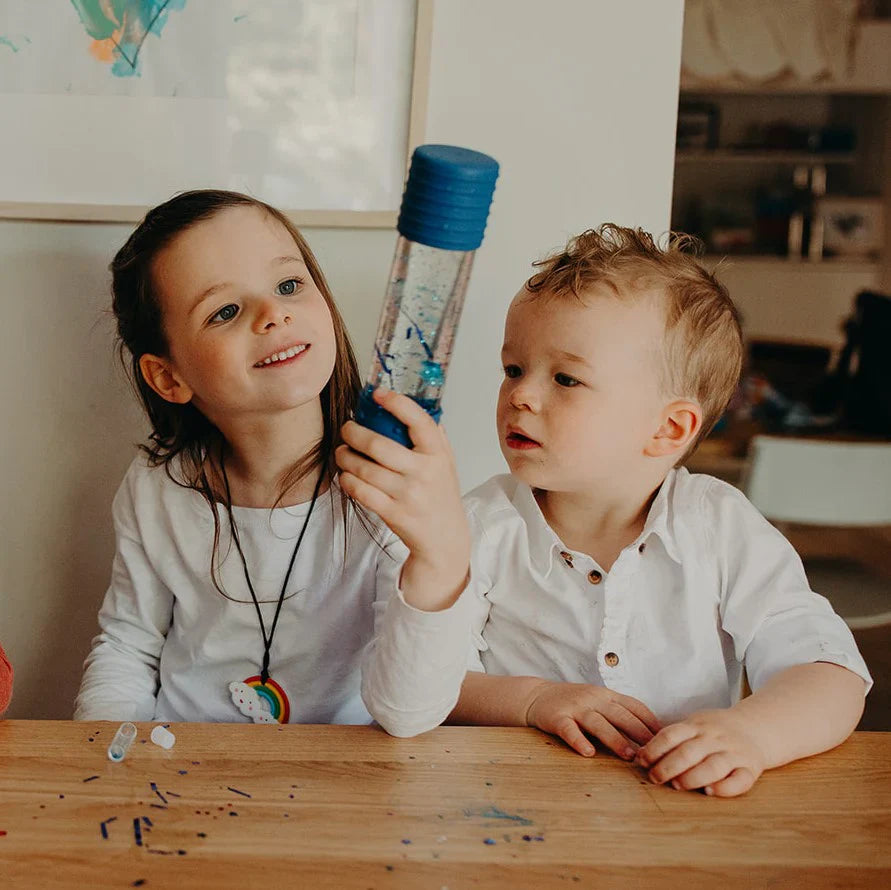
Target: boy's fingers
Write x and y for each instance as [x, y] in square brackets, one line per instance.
[738, 782]
[628, 723]
[665, 740]
[595, 724]
[642, 712]
[680, 759]
[713, 768]
[569, 731]
[422, 428]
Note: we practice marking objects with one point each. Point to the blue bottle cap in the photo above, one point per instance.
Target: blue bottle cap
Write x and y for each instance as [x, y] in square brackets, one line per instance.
[447, 197]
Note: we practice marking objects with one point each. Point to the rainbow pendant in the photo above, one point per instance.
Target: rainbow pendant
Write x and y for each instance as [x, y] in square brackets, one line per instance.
[262, 702]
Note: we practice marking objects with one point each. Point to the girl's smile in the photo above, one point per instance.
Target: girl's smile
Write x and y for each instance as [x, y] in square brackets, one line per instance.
[286, 356]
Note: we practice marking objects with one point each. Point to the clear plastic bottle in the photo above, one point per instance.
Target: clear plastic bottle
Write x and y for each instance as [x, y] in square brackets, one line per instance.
[441, 223]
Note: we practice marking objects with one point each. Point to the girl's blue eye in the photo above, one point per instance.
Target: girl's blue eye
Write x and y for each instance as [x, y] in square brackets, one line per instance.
[289, 287]
[511, 371]
[226, 313]
[565, 380]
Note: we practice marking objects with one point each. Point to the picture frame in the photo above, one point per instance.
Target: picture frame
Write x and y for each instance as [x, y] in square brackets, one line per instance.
[850, 226]
[312, 105]
[697, 126]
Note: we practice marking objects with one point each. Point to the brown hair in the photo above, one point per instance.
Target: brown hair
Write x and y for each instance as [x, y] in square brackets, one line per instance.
[703, 349]
[182, 431]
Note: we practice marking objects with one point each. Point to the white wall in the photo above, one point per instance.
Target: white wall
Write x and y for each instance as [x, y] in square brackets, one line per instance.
[576, 99]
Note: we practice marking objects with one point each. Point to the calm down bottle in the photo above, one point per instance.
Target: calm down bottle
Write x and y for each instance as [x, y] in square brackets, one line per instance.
[441, 223]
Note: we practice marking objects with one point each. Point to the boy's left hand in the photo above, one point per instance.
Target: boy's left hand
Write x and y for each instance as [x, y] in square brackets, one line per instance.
[416, 492]
[712, 750]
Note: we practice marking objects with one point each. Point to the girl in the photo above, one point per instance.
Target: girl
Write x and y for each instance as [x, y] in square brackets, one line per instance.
[248, 584]
[5, 681]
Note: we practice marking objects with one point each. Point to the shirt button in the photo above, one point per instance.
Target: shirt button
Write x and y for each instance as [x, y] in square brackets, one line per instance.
[594, 576]
[611, 659]
[567, 557]
[641, 548]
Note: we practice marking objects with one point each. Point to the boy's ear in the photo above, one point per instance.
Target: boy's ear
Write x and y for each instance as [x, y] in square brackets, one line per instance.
[681, 423]
[158, 373]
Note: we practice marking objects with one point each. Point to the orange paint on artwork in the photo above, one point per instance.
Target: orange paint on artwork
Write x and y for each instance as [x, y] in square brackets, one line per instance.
[103, 50]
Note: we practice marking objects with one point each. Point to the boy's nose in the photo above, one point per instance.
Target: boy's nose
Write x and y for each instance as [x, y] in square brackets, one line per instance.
[525, 396]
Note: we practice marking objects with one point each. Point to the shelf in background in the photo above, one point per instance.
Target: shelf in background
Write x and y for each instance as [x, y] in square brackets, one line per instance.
[732, 156]
[851, 88]
[831, 264]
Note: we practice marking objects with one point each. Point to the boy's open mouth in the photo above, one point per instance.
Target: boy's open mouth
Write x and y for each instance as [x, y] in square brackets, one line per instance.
[285, 356]
[520, 441]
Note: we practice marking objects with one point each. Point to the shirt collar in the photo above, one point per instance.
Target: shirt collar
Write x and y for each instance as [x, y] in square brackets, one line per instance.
[545, 544]
[659, 518]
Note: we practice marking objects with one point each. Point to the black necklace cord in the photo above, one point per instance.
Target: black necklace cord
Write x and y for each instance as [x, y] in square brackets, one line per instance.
[267, 641]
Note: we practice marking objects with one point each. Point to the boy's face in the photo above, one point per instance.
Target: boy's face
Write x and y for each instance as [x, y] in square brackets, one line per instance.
[581, 395]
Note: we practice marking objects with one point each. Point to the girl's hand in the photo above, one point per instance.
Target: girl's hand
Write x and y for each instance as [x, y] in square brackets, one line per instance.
[570, 710]
[416, 492]
[711, 750]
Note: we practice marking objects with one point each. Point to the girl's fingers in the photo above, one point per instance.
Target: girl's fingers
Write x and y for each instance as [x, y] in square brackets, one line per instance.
[569, 731]
[379, 448]
[367, 495]
[665, 740]
[374, 474]
[595, 724]
[423, 430]
[738, 782]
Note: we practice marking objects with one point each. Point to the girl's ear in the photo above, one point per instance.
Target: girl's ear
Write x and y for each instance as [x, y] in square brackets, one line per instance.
[160, 376]
[681, 423]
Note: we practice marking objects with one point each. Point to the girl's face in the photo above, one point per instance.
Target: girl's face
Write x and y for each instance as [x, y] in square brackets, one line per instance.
[249, 333]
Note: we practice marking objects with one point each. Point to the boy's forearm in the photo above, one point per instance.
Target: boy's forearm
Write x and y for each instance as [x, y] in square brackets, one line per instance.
[803, 710]
[489, 700]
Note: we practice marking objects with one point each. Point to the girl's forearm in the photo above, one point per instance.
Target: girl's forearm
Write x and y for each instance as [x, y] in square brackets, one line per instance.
[803, 710]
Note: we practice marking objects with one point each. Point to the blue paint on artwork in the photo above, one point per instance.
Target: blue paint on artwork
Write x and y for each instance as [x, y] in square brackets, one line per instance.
[123, 26]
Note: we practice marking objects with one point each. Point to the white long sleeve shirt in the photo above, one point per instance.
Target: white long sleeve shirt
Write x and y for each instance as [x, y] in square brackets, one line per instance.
[707, 589]
[170, 642]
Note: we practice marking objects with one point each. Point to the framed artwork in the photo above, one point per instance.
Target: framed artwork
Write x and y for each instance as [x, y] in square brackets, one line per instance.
[111, 106]
[852, 227]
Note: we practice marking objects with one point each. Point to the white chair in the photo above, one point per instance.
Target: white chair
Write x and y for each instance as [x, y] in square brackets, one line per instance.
[825, 482]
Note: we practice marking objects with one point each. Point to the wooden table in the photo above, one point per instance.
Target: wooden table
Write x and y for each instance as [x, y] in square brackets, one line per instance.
[335, 806]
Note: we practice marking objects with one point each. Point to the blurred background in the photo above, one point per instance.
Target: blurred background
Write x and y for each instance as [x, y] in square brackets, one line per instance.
[783, 169]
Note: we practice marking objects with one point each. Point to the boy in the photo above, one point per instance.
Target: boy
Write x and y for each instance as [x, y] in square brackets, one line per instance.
[621, 597]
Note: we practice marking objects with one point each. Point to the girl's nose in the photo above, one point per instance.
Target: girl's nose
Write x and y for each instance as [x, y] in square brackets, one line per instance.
[271, 314]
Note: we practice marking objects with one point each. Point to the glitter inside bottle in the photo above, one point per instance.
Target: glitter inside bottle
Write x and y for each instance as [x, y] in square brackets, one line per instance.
[441, 223]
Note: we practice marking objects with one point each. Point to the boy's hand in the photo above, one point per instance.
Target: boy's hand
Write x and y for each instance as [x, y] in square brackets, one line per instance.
[416, 492]
[711, 750]
[570, 710]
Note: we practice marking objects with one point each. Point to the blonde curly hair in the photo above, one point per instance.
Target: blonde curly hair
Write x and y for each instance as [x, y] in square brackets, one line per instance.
[703, 345]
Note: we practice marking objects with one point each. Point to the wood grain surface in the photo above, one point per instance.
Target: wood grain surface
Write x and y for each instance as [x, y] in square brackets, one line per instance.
[338, 806]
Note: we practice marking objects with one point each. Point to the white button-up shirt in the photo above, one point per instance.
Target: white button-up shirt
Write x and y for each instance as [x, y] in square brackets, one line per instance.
[709, 588]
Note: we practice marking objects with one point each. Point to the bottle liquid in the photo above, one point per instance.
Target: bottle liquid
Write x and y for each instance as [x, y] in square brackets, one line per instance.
[441, 223]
